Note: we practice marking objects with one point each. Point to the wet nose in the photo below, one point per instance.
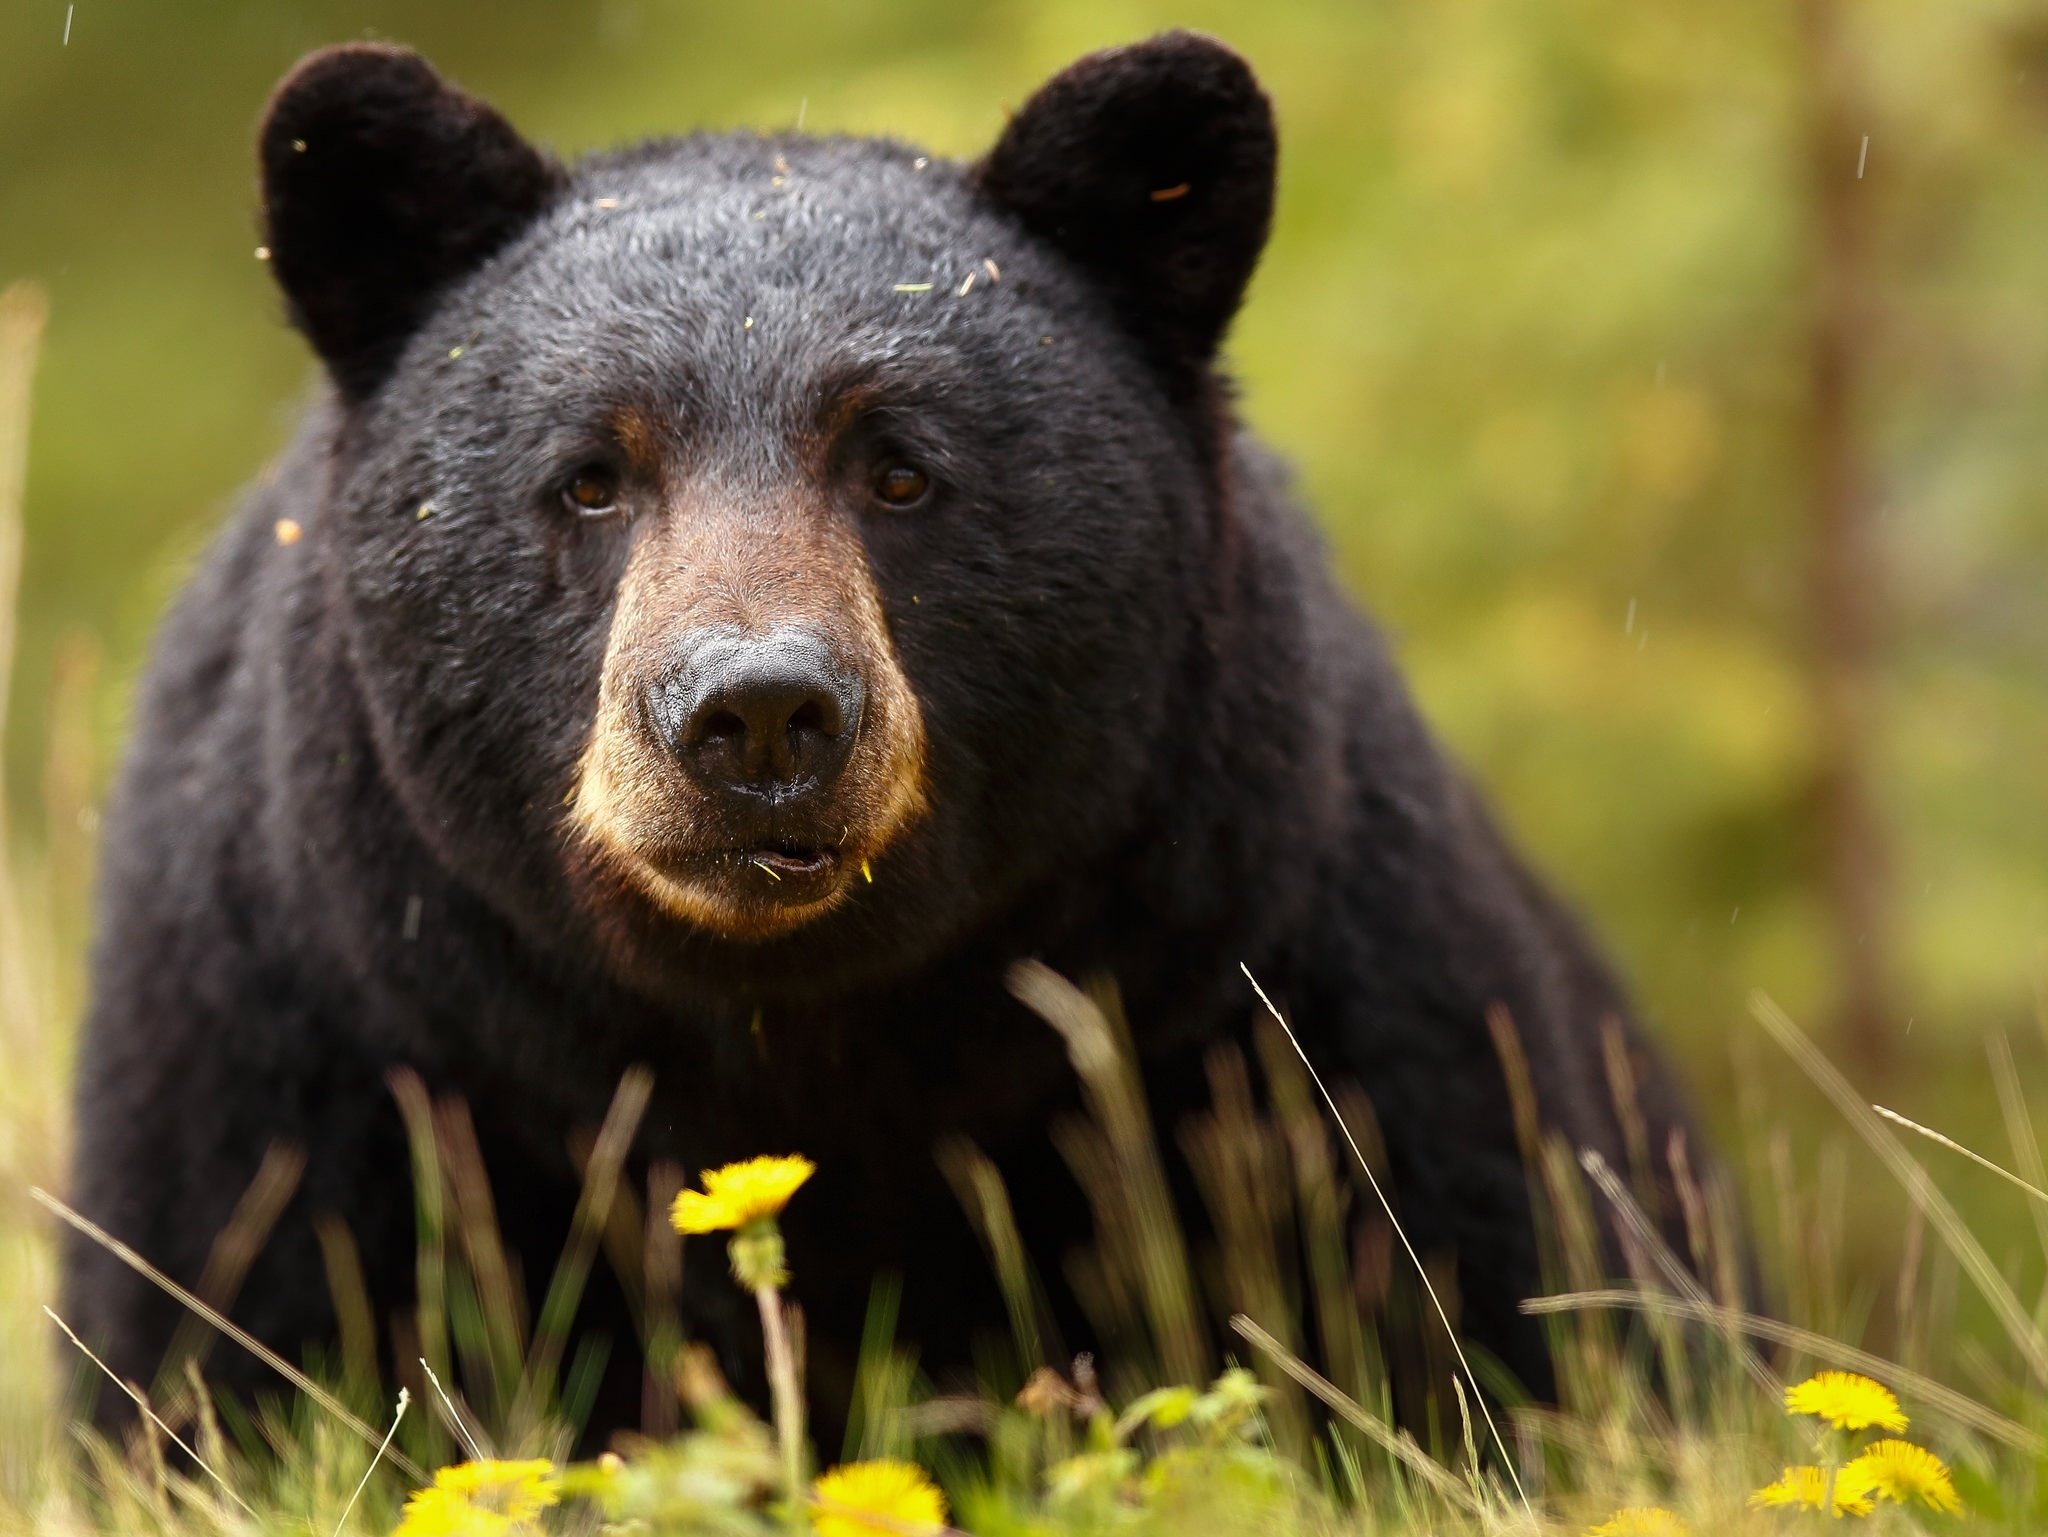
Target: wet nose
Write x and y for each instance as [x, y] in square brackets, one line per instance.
[769, 714]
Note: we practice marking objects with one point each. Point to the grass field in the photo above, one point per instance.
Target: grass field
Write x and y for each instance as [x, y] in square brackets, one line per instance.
[1681, 1412]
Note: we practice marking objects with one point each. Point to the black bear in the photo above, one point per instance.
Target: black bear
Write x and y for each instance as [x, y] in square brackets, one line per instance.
[736, 598]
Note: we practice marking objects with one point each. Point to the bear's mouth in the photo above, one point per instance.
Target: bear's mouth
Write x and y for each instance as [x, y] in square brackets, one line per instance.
[774, 875]
[785, 861]
[755, 891]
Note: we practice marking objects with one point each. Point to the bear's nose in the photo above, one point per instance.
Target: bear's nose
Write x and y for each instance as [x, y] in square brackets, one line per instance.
[769, 714]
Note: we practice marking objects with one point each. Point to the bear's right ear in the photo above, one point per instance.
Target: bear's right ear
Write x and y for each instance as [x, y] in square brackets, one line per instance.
[1152, 167]
[383, 184]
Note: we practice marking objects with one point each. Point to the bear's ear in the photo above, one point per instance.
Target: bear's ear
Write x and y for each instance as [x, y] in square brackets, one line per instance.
[382, 184]
[1152, 167]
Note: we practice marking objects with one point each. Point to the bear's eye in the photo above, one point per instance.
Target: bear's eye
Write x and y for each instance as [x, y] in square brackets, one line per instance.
[901, 485]
[592, 491]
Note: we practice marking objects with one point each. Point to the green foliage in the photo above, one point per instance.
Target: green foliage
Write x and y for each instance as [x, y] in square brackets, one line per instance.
[1678, 1427]
[715, 1480]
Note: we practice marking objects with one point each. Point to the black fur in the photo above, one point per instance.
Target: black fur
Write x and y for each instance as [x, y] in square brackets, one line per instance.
[1152, 167]
[1161, 743]
[381, 185]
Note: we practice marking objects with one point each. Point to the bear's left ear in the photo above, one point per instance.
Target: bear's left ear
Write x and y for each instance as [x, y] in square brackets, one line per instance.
[383, 184]
[1152, 167]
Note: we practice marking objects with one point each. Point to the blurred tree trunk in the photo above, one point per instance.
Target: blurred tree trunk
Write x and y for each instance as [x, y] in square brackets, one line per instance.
[1844, 587]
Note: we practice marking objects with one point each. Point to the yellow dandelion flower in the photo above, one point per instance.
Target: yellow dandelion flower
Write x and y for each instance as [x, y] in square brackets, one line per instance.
[481, 1499]
[1807, 1488]
[1640, 1521]
[1846, 1400]
[884, 1498]
[740, 1194]
[437, 1513]
[1903, 1472]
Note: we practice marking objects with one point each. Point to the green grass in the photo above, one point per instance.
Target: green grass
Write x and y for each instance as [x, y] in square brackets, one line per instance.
[1669, 1397]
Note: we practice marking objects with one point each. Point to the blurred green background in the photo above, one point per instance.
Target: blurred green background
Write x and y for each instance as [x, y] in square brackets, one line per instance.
[1670, 380]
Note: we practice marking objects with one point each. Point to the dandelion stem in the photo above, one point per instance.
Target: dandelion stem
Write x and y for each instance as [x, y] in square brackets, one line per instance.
[789, 1403]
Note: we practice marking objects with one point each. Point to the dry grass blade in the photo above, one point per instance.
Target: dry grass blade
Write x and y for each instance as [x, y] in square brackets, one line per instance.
[22, 313]
[978, 1186]
[1397, 1444]
[464, 1431]
[473, 1224]
[661, 1326]
[149, 1413]
[1118, 1105]
[227, 1264]
[363, 1483]
[2019, 1125]
[1941, 1139]
[1959, 1407]
[593, 1207]
[220, 1321]
[1918, 1185]
[1674, 1271]
[1428, 1286]
[430, 1216]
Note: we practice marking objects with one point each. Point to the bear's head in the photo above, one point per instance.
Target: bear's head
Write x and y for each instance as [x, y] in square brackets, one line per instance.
[767, 557]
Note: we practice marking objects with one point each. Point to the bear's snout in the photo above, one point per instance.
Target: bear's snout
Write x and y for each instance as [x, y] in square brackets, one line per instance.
[757, 747]
[763, 717]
